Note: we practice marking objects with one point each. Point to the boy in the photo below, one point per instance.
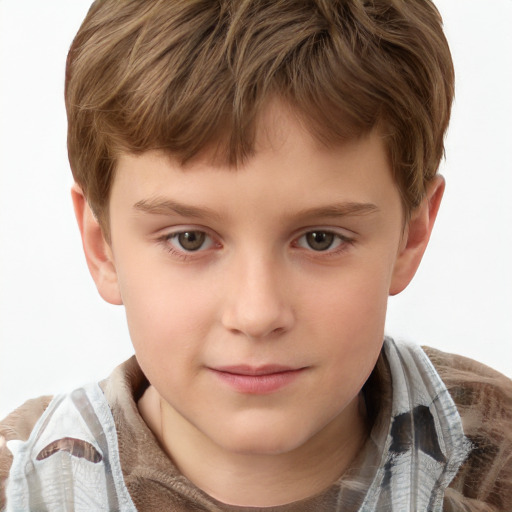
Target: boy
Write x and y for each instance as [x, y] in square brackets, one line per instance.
[253, 179]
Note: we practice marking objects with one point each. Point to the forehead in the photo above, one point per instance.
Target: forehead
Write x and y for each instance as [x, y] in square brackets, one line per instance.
[290, 169]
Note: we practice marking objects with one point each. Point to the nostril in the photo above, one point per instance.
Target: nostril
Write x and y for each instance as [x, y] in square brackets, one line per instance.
[258, 305]
[258, 327]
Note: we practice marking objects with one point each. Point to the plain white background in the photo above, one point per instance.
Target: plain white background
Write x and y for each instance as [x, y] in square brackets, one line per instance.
[55, 331]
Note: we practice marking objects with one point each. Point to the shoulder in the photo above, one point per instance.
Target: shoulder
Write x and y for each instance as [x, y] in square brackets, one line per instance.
[444, 361]
[483, 398]
[17, 426]
[482, 395]
[19, 423]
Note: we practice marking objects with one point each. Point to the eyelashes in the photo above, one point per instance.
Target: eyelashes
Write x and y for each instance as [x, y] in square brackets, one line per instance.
[188, 244]
[321, 240]
[190, 241]
[195, 243]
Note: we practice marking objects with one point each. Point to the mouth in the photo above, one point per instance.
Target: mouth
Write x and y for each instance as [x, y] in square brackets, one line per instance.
[257, 380]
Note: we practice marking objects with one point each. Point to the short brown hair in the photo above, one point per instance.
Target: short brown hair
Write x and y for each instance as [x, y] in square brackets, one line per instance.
[187, 75]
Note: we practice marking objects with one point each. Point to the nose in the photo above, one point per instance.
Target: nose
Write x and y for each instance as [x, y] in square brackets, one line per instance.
[259, 304]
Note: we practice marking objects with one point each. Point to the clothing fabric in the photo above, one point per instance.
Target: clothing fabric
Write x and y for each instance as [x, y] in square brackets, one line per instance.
[426, 445]
[71, 459]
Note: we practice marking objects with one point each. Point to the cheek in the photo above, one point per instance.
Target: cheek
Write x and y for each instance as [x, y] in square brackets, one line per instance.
[354, 297]
[167, 325]
[348, 313]
[163, 309]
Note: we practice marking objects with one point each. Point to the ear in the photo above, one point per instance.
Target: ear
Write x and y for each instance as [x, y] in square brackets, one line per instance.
[416, 236]
[98, 253]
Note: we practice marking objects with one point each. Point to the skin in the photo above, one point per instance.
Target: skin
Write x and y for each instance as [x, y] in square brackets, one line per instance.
[257, 292]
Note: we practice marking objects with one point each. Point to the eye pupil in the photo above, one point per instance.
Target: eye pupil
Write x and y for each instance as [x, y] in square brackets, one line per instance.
[320, 240]
[191, 240]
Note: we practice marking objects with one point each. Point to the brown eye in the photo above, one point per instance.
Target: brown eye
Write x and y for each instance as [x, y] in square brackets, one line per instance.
[191, 240]
[320, 240]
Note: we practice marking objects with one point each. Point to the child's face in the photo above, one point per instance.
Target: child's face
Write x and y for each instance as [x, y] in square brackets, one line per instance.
[282, 267]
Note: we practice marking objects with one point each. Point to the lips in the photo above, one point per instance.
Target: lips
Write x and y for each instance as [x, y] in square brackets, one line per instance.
[257, 379]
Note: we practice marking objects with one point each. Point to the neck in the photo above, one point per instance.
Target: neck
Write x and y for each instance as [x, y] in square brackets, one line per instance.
[258, 480]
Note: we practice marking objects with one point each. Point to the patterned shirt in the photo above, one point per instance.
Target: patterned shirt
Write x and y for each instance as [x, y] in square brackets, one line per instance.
[441, 439]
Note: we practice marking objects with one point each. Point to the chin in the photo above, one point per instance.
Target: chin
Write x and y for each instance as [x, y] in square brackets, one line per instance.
[262, 441]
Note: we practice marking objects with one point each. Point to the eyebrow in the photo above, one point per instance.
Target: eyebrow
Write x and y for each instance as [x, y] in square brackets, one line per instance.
[161, 206]
[339, 210]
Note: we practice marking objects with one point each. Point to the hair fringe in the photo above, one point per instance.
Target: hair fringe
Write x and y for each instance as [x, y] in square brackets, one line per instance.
[190, 76]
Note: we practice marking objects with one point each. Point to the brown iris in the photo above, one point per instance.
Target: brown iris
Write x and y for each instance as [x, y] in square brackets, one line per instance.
[191, 240]
[319, 240]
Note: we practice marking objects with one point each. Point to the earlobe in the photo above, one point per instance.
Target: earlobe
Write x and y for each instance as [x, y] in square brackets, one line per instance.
[97, 251]
[416, 236]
